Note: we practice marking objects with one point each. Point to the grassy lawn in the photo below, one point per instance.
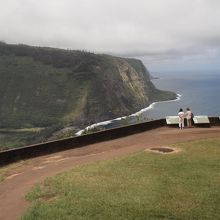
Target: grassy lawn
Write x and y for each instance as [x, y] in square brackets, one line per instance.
[146, 185]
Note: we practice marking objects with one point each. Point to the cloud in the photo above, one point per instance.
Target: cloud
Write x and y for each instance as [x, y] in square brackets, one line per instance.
[152, 29]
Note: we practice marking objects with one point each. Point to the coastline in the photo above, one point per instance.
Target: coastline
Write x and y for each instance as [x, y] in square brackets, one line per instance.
[151, 106]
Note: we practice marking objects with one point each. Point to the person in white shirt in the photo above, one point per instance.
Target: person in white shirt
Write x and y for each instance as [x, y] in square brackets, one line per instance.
[181, 115]
[189, 117]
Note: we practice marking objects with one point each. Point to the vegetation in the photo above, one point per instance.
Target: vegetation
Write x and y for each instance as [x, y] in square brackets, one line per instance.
[182, 185]
[46, 87]
[13, 138]
[34, 94]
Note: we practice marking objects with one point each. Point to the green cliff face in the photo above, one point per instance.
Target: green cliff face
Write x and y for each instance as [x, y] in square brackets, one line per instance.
[41, 87]
[120, 87]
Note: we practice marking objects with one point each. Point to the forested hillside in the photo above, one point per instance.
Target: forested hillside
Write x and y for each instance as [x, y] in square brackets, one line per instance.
[46, 87]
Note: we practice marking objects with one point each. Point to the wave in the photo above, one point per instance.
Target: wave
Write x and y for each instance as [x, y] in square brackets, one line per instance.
[151, 106]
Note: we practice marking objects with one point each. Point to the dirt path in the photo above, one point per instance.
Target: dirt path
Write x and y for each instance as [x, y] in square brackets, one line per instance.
[26, 173]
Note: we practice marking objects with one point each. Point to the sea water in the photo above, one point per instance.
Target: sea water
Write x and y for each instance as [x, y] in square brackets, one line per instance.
[198, 91]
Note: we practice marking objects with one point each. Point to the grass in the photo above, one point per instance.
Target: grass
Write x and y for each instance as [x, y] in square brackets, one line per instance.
[145, 185]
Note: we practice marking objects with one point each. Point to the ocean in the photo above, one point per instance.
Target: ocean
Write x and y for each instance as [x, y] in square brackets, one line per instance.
[197, 90]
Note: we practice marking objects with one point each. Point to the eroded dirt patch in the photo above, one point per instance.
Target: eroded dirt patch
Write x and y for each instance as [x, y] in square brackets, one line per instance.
[162, 150]
[12, 176]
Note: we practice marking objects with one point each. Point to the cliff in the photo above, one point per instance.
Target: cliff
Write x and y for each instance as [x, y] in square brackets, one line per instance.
[43, 87]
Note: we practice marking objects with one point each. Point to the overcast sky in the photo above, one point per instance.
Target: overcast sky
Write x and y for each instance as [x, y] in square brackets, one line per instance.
[165, 34]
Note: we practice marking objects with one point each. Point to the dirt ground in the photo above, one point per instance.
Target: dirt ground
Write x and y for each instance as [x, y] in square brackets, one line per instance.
[25, 174]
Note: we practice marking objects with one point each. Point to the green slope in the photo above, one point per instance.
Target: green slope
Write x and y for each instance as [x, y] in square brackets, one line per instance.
[44, 87]
[35, 94]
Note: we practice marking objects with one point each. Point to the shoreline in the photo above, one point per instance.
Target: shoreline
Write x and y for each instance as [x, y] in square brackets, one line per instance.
[151, 106]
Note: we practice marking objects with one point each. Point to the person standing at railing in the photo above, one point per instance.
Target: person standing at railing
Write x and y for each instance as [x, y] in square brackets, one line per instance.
[181, 116]
[189, 117]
